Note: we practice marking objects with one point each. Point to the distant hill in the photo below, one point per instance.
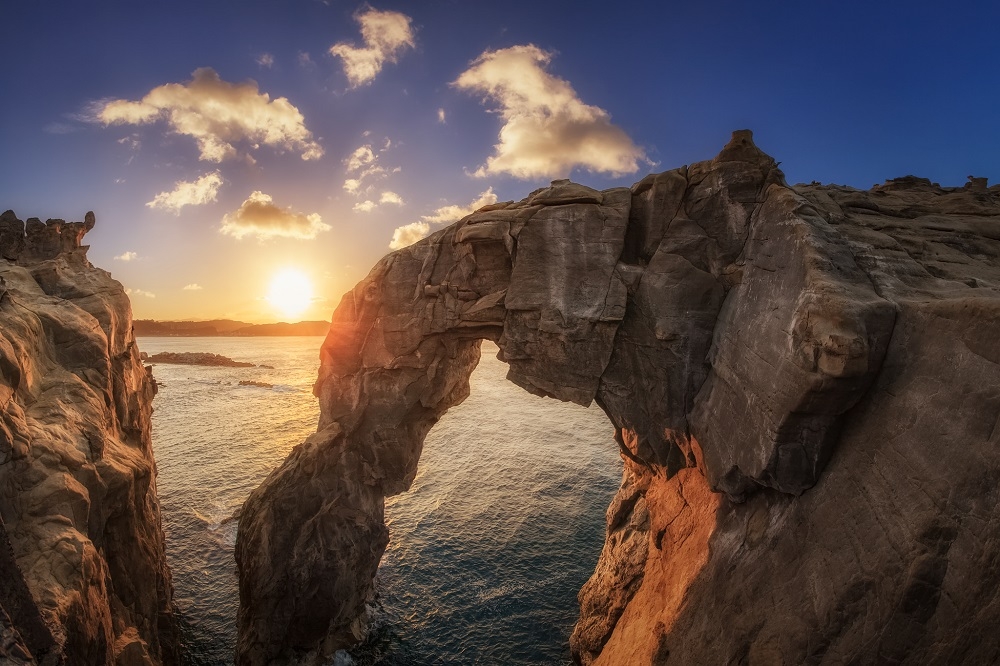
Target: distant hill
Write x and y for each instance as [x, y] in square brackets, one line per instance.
[226, 327]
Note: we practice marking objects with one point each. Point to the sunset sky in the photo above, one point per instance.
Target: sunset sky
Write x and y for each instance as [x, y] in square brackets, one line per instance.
[222, 143]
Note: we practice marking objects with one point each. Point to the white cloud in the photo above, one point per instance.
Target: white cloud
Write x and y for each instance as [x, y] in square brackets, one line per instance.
[374, 171]
[360, 157]
[194, 286]
[201, 191]
[217, 114]
[265, 60]
[454, 213]
[258, 216]
[363, 164]
[127, 256]
[385, 34]
[365, 206]
[140, 292]
[408, 234]
[441, 116]
[548, 131]
[391, 198]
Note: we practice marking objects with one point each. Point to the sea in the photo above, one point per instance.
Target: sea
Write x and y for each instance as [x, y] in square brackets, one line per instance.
[488, 549]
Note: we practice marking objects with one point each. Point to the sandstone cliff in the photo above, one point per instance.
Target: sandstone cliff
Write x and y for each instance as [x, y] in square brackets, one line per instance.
[805, 386]
[84, 576]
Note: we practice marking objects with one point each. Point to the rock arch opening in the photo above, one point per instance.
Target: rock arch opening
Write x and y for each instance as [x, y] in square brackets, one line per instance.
[501, 527]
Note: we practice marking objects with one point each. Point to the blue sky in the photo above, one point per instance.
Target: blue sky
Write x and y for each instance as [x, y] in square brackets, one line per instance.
[847, 92]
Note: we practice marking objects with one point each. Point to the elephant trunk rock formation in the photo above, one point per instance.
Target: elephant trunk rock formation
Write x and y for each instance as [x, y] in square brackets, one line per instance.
[83, 574]
[750, 341]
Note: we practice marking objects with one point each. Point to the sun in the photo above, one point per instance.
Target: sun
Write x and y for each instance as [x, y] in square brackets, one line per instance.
[290, 292]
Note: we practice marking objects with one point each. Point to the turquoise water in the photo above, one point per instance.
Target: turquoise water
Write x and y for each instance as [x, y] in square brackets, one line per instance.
[487, 551]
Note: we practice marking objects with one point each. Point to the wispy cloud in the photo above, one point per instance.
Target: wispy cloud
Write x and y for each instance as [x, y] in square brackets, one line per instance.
[305, 60]
[59, 128]
[258, 216]
[132, 142]
[194, 286]
[385, 34]
[441, 116]
[363, 165]
[140, 292]
[360, 158]
[201, 191]
[365, 206]
[217, 114]
[548, 131]
[265, 60]
[127, 256]
[409, 234]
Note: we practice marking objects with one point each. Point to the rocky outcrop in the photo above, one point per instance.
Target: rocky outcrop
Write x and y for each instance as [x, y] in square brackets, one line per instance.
[84, 576]
[197, 358]
[805, 387]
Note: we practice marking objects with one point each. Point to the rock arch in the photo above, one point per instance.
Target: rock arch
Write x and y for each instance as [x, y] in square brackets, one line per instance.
[718, 316]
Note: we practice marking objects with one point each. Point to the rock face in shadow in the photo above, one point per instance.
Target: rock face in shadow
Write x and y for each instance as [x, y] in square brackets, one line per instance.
[805, 387]
[84, 576]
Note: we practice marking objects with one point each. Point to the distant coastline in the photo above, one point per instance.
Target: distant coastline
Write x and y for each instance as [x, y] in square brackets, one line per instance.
[227, 328]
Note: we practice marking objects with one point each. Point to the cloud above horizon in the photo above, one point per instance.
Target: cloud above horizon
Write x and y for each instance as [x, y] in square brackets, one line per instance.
[386, 34]
[548, 130]
[408, 234]
[197, 193]
[194, 286]
[453, 213]
[360, 158]
[217, 114]
[128, 255]
[140, 292]
[362, 168]
[389, 197]
[258, 216]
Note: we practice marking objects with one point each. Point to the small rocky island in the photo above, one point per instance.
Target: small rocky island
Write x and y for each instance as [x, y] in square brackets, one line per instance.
[198, 358]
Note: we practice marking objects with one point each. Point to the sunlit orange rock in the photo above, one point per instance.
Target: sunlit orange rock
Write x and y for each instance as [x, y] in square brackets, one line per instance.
[83, 571]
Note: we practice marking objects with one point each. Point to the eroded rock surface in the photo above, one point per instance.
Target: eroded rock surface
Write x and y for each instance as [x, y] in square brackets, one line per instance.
[83, 575]
[805, 386]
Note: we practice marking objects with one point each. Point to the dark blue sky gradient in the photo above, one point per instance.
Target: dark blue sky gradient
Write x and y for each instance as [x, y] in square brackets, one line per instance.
[846, 92]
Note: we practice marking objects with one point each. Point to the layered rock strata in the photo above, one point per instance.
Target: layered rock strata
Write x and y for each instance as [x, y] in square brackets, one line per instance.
[84, 576]
[805, 387]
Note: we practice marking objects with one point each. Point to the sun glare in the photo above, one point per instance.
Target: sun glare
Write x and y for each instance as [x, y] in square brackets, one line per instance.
[290, 292]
